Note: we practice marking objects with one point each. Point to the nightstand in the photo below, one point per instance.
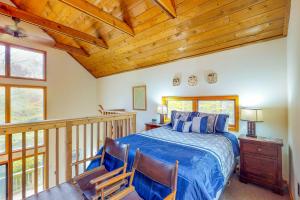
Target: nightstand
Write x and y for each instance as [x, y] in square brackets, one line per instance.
[151, 125]
[261, 162]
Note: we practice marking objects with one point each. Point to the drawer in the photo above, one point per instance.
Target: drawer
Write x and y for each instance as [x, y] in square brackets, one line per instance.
[261, 168]
[262, 149]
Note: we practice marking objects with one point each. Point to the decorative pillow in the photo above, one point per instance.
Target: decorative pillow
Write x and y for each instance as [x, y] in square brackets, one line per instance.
[179, 115]
[221, 121]
[216, 122]
[199, 124]
[182, 126]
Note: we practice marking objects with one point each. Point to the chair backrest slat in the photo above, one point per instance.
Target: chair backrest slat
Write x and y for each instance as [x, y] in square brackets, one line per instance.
[156, 170]
[115, 149]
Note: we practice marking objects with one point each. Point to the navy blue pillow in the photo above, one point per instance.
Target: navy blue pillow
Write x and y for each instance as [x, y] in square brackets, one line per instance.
[221, 123]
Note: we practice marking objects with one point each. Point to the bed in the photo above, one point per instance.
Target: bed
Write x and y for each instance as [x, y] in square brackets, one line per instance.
[206, 162]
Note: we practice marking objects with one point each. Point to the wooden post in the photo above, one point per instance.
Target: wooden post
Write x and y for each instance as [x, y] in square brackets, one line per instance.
[77, 150]
[84, 147]
[68, 151]
[36, 146]
[92, 139]
[10, 166]
[98, 135]
[133, 124]
[23, 165]
[57, 155]
[46, 168]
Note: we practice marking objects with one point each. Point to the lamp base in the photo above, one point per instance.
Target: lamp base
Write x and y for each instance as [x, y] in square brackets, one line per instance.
[251, 126]
[162, 119]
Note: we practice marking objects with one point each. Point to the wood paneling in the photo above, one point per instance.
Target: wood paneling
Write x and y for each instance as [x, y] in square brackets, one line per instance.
[41, 22]
[200, 27]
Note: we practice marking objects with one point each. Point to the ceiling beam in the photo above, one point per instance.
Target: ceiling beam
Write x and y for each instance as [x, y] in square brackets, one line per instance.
[71, 49]
[100, 15]
[167, 6]
[43, 23]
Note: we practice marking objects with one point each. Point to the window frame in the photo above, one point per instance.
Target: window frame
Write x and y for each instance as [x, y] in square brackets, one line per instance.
[8, 106]
[8, 98]
[7, 61]
[195, 99]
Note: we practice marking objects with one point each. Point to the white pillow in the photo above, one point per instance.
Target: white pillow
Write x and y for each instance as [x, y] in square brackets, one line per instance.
[182, 126]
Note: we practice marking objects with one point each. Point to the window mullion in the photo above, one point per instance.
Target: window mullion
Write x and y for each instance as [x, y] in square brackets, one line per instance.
[7, 104]
[7, 60]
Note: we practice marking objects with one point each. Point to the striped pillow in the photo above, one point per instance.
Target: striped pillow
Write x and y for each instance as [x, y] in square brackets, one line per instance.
[182, 126]
[216, 122]
[199, 124]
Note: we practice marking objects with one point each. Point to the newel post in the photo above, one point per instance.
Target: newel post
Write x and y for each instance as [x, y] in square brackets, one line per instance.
[68, 151]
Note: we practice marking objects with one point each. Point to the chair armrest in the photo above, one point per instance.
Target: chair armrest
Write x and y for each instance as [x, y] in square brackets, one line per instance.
[122, 194]
[171, 196]
[88, 173]
[106, 176]
[112, 181]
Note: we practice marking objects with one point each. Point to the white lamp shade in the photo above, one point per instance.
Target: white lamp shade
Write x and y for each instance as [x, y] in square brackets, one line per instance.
[162, 109]
[253, 115]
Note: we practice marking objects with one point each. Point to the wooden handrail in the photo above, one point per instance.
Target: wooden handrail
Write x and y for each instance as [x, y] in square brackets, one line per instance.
[11, 128]
[64, 139]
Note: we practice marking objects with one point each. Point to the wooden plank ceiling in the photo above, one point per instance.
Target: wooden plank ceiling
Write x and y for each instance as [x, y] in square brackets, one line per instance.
[143, 33]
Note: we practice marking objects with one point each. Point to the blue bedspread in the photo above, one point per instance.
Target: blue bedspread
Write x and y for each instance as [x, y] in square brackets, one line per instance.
[205, 162]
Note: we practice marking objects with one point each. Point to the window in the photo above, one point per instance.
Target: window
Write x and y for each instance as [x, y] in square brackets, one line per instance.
[2, 118]
[25, 104]
[180, 106]
[3, 181]
[216, 107]
[2, 60]
[22, 62]
[26, 64]
[210, 104]
[2, 105]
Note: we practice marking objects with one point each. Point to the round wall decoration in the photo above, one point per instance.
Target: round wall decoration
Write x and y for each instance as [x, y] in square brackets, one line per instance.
[176, 80]
[212, 78]
[193, 80]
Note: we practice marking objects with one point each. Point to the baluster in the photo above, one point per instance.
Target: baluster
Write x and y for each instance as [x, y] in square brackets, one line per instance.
[57, 155]
[68, 154]
[92, 139]
[98, 136]
[46, 168]
[124, 128]
[108, 134]
[77, 150]
[36, 162]
[84, 147]
[23, 165]
[10, 166]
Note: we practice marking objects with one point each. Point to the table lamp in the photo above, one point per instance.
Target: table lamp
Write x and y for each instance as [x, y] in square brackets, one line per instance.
[162, 110]
[251, 115]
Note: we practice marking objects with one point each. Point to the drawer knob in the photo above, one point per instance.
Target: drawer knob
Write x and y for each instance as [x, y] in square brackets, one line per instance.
[259, 149]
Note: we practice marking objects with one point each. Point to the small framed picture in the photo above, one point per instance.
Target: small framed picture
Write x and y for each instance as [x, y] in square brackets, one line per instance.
[139, 95]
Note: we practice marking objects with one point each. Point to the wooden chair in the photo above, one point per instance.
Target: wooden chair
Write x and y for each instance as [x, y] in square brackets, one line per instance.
[166, 175]
[89, 181]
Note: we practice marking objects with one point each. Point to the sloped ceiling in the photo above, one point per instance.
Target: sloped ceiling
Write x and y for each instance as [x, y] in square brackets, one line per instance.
[201, 27]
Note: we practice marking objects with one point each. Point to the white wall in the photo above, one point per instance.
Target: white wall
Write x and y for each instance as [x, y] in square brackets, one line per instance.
[71, 89]
[256, 73]
[293, 60]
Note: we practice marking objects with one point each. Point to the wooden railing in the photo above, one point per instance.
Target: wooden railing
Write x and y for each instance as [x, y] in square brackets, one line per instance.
[65, 147]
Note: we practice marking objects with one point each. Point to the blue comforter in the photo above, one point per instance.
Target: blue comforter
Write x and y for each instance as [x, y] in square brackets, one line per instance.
[205, 162]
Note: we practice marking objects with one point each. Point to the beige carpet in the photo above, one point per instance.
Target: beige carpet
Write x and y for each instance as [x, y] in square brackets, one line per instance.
[240, 191]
